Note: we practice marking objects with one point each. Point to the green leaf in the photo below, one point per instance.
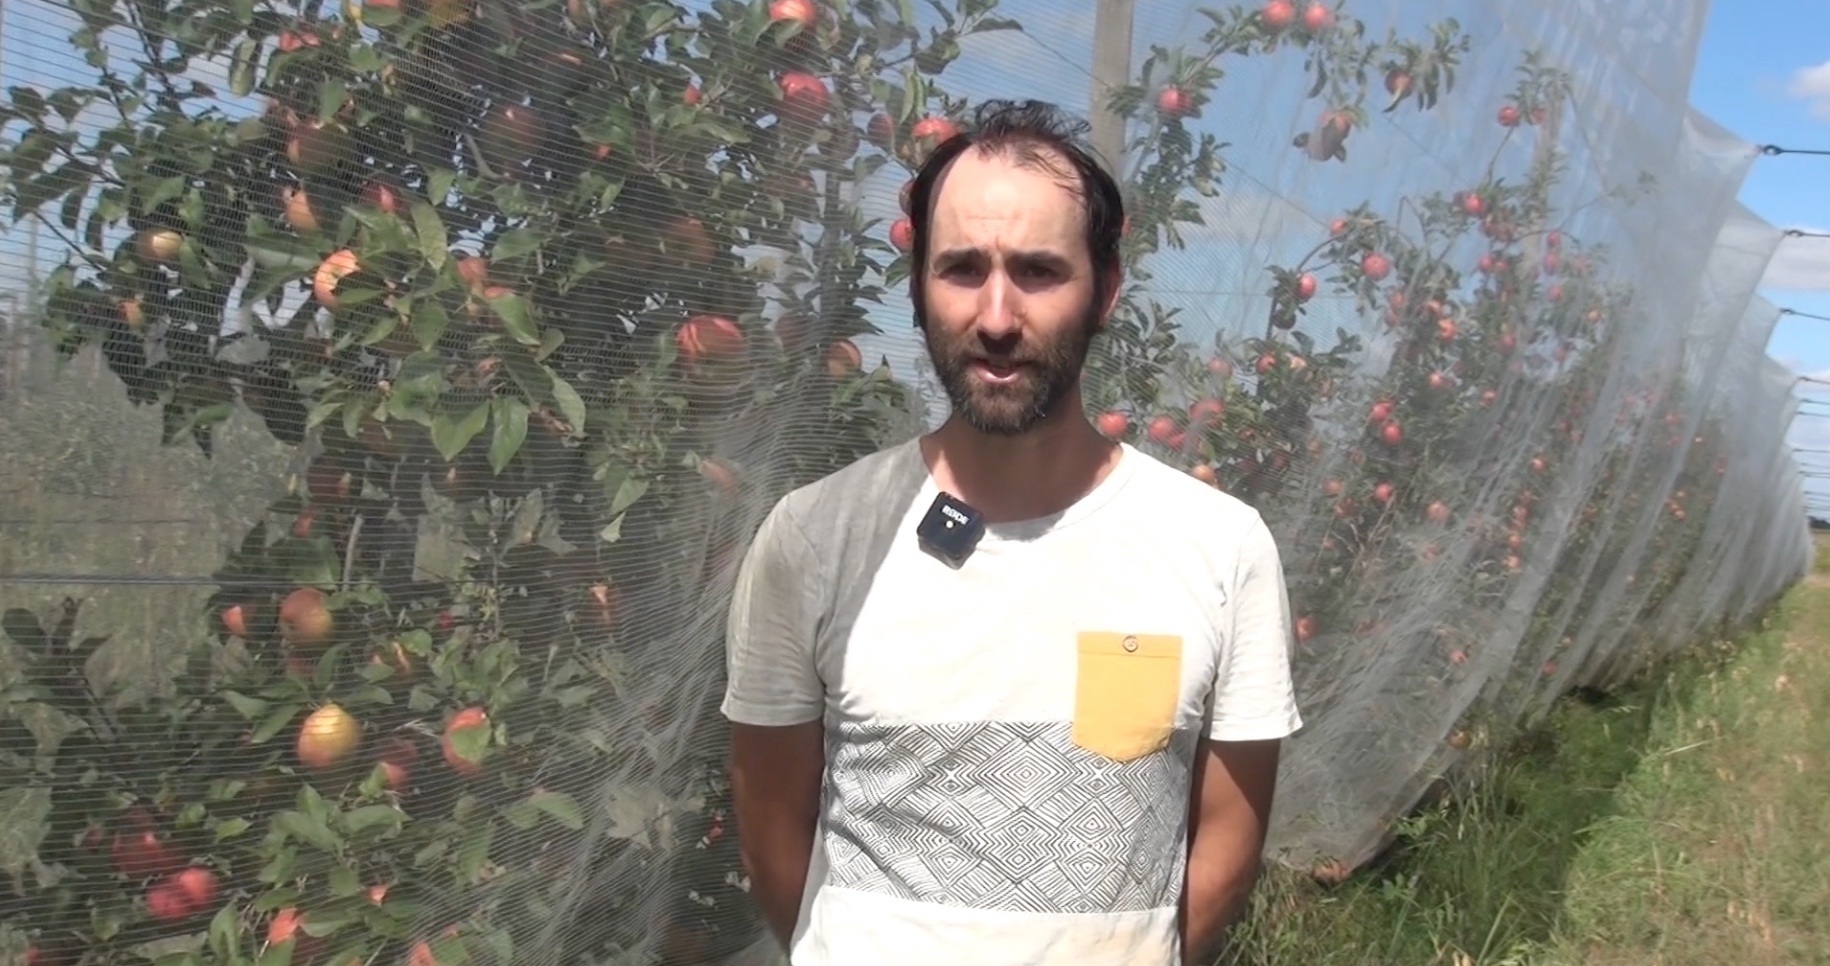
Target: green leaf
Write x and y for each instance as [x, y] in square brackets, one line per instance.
[278, 954]
[23, 811]
[612, 532]
[330, 99]
[627, 493]
[433, 243]
[229, 828]
[515, 243]
[450, 437]
[561, 806]
[571, 407]
[344, 882]
[306, 828]
[225, 930]
[367, 817]
[430, 320]
[279, 718]
[475, 851]
[438, 184]
[249, 708]
[517, 320]
[160, 192]
[510, 420]
[533, 378]
[241, 70]
[22, 626]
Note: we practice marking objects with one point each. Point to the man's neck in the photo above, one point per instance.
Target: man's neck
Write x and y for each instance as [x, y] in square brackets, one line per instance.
[1010, 478]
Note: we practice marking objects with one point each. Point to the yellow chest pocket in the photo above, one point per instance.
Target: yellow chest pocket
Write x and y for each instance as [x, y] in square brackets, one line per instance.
[1127, 688]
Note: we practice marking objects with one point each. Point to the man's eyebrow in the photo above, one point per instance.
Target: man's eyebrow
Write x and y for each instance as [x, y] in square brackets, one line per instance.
[1034, 256]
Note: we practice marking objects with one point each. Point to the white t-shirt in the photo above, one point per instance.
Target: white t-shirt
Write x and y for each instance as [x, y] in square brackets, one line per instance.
[1009, 743]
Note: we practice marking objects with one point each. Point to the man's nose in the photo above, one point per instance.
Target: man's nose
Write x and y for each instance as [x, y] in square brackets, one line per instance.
[997, 322]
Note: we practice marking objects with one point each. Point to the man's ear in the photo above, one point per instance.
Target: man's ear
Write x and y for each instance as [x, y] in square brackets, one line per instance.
[1114, 280]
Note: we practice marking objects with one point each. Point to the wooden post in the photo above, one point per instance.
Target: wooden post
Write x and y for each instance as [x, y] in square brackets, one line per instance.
[1111, 70]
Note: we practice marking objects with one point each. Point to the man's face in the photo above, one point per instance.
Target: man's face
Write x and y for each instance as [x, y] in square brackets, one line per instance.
[1010, 300]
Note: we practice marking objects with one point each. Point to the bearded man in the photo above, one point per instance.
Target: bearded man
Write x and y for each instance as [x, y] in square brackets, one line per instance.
[1057, 744]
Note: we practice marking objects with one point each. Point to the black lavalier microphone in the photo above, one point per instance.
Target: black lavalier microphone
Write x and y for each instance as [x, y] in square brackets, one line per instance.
[950, 530]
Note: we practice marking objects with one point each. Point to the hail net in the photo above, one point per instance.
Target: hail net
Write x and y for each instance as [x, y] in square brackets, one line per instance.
[390, 388]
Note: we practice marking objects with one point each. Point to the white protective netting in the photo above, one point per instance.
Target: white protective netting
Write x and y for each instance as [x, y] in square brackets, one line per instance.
[390, 388]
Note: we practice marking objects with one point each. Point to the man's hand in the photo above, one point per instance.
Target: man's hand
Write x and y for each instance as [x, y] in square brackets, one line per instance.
[1229, 810]
[776, 775]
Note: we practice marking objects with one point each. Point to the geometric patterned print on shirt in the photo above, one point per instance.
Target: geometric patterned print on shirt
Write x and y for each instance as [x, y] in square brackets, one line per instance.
[1005, 816]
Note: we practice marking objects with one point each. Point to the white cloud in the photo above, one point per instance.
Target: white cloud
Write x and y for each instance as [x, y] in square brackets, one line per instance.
[1812, 85]
[1801, 263]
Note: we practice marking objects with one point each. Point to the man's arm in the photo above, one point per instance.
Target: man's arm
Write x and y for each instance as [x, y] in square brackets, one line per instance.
[775, 701]
[1235, 768]
[1229, 810]
[775, 786]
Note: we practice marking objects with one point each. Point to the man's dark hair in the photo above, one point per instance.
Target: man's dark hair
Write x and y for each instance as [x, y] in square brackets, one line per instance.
[1036, 135]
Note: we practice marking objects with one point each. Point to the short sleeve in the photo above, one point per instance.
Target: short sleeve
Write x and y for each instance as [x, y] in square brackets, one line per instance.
[771, 675]
[1253, 697]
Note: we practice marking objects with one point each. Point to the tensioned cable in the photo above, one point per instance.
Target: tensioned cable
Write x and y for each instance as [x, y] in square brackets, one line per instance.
[1805, 315]
[1773, 150]
[1801, 233]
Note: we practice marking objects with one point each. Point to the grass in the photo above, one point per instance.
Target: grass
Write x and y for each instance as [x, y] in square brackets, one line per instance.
[1681, 822]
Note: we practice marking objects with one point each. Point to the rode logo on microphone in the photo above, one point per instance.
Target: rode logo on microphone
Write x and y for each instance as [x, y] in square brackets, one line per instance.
[950, 530]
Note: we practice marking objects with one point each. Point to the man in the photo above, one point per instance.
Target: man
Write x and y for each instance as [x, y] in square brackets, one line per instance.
[1062, 748]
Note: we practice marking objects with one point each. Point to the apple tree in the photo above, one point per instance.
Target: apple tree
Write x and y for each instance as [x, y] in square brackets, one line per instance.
[555, 300]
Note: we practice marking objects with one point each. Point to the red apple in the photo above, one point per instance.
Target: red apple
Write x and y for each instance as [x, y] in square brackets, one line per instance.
[934, 131]
[1317, 18]
[1391, 433]
[139, 850]
[802, 12]
[1509, 116]
[1114, 424]
[464, 720]
[902, 234]
[166, 903]
[1376, 266]
[1162, 430]
[1278, 14]
[384, 196]
[1206, 413]
[198, 886]
[843, 359]
[1175, 102]
[804, 98]
[708, 343]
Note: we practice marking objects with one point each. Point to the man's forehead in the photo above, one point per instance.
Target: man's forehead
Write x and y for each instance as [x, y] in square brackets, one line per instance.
[992, 189]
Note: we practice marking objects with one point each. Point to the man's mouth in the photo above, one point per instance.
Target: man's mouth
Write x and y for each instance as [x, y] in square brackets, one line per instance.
[998, 371]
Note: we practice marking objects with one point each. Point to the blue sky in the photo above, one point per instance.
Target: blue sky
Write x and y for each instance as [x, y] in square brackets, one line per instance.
[1763, 74]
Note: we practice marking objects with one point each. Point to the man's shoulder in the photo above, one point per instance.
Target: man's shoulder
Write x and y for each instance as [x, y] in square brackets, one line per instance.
[831, 504]
[1177, 495]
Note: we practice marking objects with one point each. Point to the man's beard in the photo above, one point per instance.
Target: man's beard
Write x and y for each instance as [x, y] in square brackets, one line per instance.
[1050, 373]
